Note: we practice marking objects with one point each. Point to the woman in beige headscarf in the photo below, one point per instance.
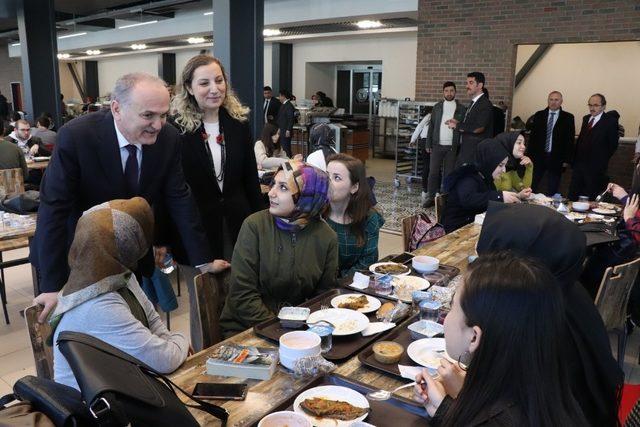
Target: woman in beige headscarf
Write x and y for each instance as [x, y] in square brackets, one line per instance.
[102, 297]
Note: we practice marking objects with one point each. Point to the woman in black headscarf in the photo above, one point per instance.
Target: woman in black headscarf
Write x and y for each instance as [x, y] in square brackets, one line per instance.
[470, 187]
[519, 174]
[543, 234]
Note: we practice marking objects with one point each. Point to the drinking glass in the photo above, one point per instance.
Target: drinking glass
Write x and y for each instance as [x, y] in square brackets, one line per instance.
[382, 284]
[584, 199]
[429, 310]
[417, 297]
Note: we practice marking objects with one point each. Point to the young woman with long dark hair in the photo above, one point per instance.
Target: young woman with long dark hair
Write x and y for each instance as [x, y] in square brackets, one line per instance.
[351, 214]
[505, 324]
[269, 153]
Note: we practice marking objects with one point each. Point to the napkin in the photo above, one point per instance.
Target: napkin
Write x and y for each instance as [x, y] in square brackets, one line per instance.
[563, 208]
[360, 281]
[479, 219]
[410, 372]
[376, 327]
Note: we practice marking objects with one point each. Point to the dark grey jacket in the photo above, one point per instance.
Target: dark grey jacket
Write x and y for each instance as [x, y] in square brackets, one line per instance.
[433, 138]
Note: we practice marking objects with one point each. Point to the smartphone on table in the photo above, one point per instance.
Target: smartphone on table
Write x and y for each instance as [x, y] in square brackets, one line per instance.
[403, 258]
[220, 391]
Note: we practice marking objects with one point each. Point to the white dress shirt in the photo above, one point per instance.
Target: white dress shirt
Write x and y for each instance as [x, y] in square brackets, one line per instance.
[124, 153]
[596, 119]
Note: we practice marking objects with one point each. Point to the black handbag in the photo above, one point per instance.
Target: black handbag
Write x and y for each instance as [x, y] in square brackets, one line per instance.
[120, 389]
[61, 404]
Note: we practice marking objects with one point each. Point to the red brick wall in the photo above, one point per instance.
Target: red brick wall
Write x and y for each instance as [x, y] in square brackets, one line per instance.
[459, 36]
[456, 37]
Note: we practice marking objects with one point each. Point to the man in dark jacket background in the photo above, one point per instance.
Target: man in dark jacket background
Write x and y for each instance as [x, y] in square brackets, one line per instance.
[477, 124]
[442, 141]
[285, 121]
[551, 143]
[596, 144]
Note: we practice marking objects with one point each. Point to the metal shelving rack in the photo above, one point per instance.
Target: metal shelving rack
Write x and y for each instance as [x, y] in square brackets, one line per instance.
[385, 128]
[408, 162]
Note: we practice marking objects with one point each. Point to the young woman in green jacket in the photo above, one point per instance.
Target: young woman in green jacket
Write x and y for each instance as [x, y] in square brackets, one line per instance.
[285, 254]
[519, 172]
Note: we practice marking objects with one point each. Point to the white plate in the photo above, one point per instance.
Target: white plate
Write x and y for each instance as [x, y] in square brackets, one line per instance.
[575, 216]
[372, 303]
[604, 211]
[332, 392]
[423, 352]
[414, 283]
[372, 268]
[41, 159]
[347, 322]
[595, 216]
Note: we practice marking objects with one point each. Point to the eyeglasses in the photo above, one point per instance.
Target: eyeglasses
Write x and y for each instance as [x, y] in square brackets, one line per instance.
[594, 105]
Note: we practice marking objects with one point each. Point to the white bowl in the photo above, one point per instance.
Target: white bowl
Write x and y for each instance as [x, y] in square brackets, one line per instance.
[580, 206]
[296, 345]
[284, 418]
[425, 264]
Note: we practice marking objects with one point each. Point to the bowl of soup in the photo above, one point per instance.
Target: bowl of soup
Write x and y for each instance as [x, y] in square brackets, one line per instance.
[296, 345]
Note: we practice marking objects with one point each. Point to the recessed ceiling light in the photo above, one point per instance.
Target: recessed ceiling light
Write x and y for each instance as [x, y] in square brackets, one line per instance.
[138, 46]
[15, 44]
[71, 35]
[63, 56]
[93, 52]
[208, 13]
[270, 32]
[138, 24]
[369, 24]
[196, 40]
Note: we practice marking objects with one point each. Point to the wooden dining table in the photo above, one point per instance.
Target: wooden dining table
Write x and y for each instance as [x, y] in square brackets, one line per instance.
[38, 165]
[264, 396]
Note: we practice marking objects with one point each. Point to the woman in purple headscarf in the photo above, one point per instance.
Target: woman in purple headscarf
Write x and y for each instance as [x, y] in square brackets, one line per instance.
[285, 254]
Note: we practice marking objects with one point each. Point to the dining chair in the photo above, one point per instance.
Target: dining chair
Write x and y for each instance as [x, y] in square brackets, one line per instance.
[12, 181]
[211, 292]
[612, 298]
[440, 202]
[407, 228]
[38, 334]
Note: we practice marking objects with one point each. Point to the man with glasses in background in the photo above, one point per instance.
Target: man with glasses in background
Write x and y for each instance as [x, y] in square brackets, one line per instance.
[597, 142]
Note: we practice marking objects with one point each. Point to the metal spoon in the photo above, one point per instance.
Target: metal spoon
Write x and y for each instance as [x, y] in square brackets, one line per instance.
[384, 394]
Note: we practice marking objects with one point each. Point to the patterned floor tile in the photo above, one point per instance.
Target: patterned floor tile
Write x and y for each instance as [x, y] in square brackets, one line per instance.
[396, 203]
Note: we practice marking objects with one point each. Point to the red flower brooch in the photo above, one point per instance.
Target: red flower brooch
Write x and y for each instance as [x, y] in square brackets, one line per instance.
[219, 138]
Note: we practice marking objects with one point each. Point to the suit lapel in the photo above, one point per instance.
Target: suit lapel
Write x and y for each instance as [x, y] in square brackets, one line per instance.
[150, 157]
[109, 152]
[198, 145]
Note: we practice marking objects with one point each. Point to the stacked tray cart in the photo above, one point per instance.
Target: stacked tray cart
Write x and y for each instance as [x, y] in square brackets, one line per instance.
[409, 160]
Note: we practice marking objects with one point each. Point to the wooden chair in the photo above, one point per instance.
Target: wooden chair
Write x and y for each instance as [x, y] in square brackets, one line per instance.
[39, 332]
[211, 292]
[612, 300]
[440, 202]
[12, 181]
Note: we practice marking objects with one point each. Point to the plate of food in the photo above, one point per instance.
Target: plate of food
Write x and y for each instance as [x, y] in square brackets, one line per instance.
[427, 352]
[595, 216]
[575, 216]
[392, 268]
[404, 286]
[359, 302]
[604, 211]
[345, 321]
[331, 406]
[605, 205]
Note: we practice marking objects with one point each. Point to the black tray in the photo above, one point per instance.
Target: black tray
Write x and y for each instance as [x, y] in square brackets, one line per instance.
[343, 347]
[401, 335]
[396, 411]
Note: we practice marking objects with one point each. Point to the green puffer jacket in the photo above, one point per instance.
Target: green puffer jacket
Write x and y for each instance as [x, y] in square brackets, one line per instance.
[271, 268]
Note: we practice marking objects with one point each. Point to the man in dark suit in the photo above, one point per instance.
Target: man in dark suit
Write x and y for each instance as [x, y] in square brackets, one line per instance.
[553, 134]
[270, 106]
[285, 121]
[477, 124]
[597, 142]
[114, 154]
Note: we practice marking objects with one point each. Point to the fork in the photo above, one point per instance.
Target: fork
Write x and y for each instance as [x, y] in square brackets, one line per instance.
[601, 195]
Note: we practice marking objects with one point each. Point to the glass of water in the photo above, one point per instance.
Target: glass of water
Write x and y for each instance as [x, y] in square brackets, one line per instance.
[429, 310]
